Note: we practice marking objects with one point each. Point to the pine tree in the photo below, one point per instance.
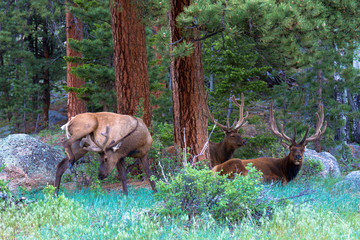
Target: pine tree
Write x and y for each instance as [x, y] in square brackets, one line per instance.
[97, 66]
[29, 54]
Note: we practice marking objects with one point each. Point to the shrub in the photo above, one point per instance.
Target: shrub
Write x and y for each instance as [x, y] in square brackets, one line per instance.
[197, 191]
[312, 167]
[162, 163]
[4, 189]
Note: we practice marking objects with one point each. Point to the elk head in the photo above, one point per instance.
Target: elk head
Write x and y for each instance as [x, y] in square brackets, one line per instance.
[224, 150]
[297, 149]
[232, 136]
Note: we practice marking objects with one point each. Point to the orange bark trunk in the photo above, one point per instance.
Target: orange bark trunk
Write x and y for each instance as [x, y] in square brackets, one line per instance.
[187, 83]
[130, 60]
[74, 30]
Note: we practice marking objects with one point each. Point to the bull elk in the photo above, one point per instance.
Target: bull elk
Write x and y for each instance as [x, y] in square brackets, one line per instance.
[113, 136]
[224, 150]
[278, 169]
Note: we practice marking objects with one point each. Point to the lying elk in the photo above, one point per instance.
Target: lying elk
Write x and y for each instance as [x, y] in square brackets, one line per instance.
[224, 150]
[113, 136]
[278, 169]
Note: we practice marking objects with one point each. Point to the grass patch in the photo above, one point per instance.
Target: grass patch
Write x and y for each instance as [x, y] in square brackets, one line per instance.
[90, 215]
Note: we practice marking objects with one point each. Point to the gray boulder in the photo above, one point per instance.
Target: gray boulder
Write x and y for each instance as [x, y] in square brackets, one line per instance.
[355, 150]
[351, 183]
[330, 166]
[29, 162]
[55, 117]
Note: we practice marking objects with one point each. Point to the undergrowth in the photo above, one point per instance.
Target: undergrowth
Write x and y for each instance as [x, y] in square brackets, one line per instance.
[316, 214]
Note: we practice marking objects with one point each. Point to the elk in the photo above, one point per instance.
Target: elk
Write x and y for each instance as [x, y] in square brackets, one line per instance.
[113, 136]
[278, 169]
[224, 150]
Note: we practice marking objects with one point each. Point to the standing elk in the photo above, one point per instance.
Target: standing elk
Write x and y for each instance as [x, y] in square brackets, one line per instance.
[278, 169]
[224, 150]
[113, 136]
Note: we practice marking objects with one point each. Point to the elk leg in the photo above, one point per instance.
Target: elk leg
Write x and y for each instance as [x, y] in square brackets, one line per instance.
[71, 157]
[120, 166]
[60, 169]
[145, 164]
[64, 164]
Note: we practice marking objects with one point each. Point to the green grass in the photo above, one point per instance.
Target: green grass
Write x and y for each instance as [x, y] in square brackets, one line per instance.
[87, 215]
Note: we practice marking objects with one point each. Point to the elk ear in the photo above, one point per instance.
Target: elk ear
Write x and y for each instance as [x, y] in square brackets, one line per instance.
[285, 145]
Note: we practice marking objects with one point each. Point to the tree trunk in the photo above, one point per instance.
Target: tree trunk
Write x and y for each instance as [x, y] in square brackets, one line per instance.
[74, 30]
[130, 61]
[187, 83]
[5, 88]
[355, 106]
[46, 76]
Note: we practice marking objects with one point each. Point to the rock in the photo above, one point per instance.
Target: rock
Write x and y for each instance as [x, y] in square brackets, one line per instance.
[329, 162]
[55, 117]
[29, 162]
[355, 151]
[351, 183]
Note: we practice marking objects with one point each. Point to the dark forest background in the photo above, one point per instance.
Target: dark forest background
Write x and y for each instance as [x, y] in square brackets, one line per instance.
[156, 59]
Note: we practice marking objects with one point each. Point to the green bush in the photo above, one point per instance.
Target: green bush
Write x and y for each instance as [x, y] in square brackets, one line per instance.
[312, 167]
[197, 191]
[4, 184]
[162, 163]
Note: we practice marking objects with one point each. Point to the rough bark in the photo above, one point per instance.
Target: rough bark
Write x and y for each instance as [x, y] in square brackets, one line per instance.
[46, 76]
[354, 102]
[130, 60]
[188, 92]
[74, 30]
[5, 89]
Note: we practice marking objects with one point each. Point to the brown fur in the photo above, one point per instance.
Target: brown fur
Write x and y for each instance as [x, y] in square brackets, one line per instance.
[224, 150]
[219, 152]
[279, 169]
[274, 169]
[231, 167]
[114, 136]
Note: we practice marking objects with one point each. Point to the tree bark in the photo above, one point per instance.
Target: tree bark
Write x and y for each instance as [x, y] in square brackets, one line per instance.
[46, 76]
[188, 93]
[355, 106]
[74, 30]
[130, 61]
[5, 88]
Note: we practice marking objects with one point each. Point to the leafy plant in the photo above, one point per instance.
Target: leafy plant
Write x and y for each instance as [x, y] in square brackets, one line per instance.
[4, 184]
[312, 167]
[195, 191]
[162, 163]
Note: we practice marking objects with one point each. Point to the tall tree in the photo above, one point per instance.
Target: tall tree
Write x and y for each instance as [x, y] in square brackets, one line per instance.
[187, 82]
[74, 30]
[130, 60]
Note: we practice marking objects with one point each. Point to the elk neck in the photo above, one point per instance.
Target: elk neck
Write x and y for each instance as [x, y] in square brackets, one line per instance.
[224, 149]
[289, 169]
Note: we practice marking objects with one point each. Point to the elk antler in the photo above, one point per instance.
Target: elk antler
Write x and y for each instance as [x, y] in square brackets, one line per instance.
[212, 119]
[275, 130]
[92, 146]
[95, 147]
[319, 123]
[237, 124]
